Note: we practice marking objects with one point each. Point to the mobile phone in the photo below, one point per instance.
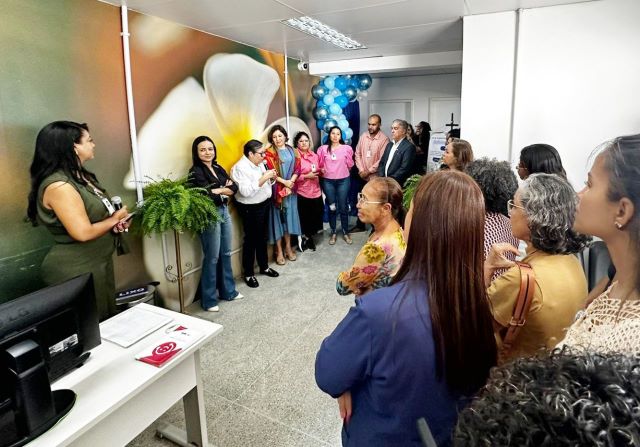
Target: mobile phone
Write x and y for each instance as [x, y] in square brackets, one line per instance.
[128, 218]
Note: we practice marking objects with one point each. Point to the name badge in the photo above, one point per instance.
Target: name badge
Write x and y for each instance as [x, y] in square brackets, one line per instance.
[368, 154]
[108, 205]
[313, 167]
[333, 157]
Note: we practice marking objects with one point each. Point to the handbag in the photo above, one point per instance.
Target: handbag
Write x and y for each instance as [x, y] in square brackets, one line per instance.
[521, 308]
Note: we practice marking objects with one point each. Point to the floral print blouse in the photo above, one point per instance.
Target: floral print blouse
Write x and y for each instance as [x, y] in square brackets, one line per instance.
[374, 266]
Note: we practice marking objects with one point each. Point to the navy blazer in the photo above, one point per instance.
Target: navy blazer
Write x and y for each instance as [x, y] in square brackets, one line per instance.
[383, 352]
[201, 176]
[401, 165]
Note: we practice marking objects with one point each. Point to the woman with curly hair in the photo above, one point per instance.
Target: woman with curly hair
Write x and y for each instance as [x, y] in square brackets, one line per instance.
[380, 204]
[542, 214]
[284, 219]
[498, 184]
[569, 398]
[609, 208]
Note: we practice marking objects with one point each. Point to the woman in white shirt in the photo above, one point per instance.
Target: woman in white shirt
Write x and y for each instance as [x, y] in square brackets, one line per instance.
[253, 201]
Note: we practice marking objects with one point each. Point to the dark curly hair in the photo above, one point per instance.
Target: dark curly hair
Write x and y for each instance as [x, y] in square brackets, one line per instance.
[497, 182]
[566, 398]
[550, 204]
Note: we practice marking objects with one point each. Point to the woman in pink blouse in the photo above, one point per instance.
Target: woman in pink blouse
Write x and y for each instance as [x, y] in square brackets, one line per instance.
[309, 194]
[335, 159]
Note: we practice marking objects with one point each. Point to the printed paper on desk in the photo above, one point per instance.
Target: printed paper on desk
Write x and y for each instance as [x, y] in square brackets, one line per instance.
[175, 342]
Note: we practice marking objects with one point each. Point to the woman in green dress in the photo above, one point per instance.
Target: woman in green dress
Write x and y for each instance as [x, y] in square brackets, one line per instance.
[69, 201]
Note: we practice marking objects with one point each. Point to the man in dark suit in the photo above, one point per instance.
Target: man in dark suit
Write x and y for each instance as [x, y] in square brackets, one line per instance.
[399, 155]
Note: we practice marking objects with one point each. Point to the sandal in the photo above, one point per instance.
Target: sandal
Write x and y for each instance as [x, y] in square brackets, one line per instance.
[291, 256]
[332, 239]
[347, 239]
[280, 259]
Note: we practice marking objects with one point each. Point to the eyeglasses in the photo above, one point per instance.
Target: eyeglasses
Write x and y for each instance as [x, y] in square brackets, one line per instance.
[363, 199]
[511, 205]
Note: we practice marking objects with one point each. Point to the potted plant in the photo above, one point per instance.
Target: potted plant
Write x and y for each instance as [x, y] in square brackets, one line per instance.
[174, 205]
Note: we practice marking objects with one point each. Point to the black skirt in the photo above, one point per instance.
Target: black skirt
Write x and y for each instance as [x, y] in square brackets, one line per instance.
[310, 211]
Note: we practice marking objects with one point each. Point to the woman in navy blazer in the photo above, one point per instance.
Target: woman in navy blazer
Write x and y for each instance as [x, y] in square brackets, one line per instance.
[422, 346]
[217, 276]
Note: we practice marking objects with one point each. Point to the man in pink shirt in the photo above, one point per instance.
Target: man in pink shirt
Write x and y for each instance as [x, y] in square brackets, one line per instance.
[369, 150]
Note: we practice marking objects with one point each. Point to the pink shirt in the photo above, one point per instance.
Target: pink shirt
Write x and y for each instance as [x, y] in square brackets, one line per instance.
[336, 164]
[308, 187]
[369, 152]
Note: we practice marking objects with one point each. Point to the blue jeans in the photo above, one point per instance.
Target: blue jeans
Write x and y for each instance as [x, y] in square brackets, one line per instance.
[337, 194]
[216, 265]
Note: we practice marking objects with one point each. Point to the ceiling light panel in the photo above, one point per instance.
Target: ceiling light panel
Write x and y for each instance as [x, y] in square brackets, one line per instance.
[323, 32]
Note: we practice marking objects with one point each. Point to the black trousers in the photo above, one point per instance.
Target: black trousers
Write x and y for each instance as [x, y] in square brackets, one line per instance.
[254, 221]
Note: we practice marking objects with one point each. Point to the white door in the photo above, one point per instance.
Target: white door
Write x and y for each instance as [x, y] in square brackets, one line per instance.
[440, 110]
[390, 110]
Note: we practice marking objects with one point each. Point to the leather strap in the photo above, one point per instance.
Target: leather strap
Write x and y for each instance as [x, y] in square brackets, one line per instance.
[521, 309]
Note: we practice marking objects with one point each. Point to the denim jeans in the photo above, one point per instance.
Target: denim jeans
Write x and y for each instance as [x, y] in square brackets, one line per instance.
[216, 265]
[337, 193]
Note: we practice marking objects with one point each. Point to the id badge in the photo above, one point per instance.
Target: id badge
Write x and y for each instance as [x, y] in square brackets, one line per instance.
[313, 167]
[333, 157]
[108, 205]
[368, 155]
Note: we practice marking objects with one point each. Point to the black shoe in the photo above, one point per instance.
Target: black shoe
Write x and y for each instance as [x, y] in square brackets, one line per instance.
[311, 245]
[270, 272]
[357, 229]
[251, 281]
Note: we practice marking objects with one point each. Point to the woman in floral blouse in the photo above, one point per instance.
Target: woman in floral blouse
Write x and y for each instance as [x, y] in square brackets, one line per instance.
[380, 204]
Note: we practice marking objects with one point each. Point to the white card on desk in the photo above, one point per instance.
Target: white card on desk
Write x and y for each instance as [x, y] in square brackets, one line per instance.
[132, 325]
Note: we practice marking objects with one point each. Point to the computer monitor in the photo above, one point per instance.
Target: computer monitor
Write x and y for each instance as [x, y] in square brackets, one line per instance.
[43, 335]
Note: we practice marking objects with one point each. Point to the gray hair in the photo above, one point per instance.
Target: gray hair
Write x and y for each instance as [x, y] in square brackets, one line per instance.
[402, 123]
[550, 203]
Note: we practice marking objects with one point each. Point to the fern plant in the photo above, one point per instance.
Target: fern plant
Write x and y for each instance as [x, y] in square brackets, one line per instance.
[175, 205]
[409, 190]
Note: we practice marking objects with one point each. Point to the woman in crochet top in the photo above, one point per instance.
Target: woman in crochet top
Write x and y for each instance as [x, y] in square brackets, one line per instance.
[609, 207]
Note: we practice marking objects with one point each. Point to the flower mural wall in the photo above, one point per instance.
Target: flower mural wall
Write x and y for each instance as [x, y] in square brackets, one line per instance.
[185, 83]
[231, 106]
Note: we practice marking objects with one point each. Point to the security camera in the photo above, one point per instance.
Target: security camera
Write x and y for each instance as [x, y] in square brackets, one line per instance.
[303, 66]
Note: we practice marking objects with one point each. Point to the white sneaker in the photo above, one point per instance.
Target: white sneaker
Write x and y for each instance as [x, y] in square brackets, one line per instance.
[214, 309]
[239, 296]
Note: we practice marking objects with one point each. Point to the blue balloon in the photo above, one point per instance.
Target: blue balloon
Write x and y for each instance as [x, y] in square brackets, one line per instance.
[320, 124]
[343, 124]
[342, 101]
[354, 81]
[351, 93]
[328, 124]
[320, 103]
[335, 109]
[328, 99]
[329, 82]
[335, 92]
[318, 91]
[334, 116]
[364, 82]
[320, 113]
[347, 134]
[342, 116]
[341, 83]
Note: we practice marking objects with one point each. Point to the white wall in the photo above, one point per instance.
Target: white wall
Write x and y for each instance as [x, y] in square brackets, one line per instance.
[487, 82]
[418, 88]
[577, 79]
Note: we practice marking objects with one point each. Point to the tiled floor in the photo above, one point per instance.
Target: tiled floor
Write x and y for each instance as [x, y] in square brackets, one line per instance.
[259, 373]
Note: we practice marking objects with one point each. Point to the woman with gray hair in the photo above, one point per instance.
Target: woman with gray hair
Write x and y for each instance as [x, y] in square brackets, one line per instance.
[542, 214]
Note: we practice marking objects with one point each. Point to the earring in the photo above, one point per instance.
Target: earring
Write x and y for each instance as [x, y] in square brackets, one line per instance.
[618, 225]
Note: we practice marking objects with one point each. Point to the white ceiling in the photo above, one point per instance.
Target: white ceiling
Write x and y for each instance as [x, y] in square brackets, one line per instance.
[385, 27]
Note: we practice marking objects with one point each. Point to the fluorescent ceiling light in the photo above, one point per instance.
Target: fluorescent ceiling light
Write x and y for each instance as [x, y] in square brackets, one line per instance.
[323, 32]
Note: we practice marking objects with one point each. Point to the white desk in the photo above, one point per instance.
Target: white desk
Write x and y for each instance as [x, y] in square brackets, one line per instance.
[118, 396]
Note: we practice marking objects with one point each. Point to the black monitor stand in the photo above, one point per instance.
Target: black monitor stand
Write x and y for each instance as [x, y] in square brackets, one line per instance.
[34, 408]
